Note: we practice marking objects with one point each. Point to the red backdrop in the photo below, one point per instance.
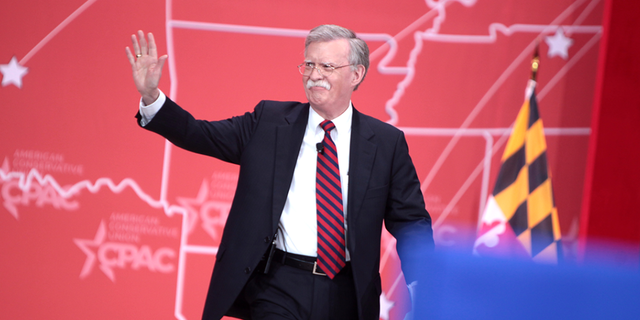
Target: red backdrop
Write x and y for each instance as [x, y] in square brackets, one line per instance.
[103, 220]
[611, 193]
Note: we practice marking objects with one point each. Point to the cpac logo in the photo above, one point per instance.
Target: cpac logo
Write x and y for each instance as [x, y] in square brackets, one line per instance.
[13, 196]
[112, 255]
[213, 213]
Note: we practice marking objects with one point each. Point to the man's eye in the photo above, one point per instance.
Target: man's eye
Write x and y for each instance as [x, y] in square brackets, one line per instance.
[327, 67]
[309, 64]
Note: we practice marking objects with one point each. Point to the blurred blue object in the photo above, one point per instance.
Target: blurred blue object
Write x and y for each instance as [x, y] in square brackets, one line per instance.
[454, 286]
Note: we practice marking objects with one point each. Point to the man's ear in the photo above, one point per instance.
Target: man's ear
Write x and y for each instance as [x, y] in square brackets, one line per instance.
[358, 75]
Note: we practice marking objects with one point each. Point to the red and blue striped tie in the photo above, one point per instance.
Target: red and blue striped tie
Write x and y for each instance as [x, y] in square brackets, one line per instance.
[331, 250]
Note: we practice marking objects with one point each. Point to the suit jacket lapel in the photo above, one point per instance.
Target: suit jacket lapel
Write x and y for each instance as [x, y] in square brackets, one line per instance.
[289, 138]
[362, 154]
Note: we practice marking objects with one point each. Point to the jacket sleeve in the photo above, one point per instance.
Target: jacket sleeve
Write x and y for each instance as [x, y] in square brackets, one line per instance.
[223, 139]
[406, 217]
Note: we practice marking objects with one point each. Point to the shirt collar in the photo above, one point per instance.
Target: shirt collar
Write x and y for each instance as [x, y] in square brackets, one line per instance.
[342, 122]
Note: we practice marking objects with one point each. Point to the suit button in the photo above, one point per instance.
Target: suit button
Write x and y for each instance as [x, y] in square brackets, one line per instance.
[266, 239]
[247, 270]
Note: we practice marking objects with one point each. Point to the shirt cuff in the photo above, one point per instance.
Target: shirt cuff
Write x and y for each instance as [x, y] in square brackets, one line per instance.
[149, 111]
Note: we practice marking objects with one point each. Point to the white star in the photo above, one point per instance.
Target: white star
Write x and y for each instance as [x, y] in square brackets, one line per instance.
[212, 213]
[12, 73]
[385, 306]
[5, 165]
[558, 44]
[84, 245]
[192, 203]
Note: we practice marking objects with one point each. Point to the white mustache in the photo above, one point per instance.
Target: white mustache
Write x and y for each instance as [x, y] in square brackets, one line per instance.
[319, 83]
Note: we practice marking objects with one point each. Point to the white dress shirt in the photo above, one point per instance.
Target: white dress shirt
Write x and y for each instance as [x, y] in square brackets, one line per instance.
[297, 230]
[298, 224]
[148, 112]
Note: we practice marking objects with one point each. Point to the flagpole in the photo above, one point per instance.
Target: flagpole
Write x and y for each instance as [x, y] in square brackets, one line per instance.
[535, 62]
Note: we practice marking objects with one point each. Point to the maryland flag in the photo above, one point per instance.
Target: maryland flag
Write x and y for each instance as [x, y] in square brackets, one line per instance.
[520, 218]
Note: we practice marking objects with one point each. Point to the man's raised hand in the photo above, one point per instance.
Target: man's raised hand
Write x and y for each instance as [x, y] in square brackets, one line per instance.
[146, 66]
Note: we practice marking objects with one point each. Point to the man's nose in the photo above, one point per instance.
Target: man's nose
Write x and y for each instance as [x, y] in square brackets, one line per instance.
[315, 74]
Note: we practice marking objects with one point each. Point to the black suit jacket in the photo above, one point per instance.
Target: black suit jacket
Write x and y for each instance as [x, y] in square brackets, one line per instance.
[383, 186]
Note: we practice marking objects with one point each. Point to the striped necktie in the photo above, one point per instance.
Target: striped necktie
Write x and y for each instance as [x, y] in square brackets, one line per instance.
[331, 247]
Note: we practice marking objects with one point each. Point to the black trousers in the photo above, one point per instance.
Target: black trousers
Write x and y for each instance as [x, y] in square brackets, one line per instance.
[287, 292]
